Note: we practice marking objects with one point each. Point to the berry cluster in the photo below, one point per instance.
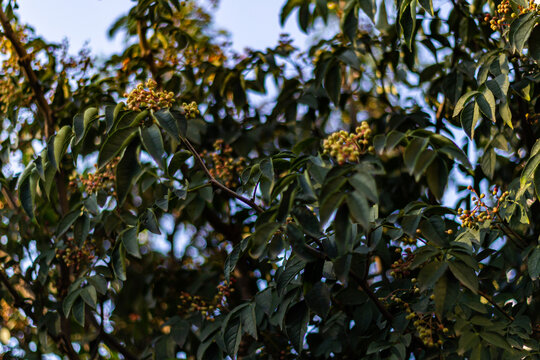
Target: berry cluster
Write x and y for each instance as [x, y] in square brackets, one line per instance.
[140, 98]
[481, 212]
[208, 309]
[224, 167]
[427, 326]
[103, 179]
[406, 240]
[191, 110]
[344, 146]
[505, 14]
[400, 268]
[75, 256]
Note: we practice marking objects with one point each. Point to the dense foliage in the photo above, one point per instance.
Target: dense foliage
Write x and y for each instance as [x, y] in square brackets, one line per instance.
[380, 202]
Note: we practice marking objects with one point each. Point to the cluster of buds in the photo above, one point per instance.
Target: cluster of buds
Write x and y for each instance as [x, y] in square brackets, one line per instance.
[427, 326]
[140, 98]
[103, 179]
[347, 147]
[505, 14]
[406, 240]
[224, 167]
[191, 110]
[400, 268]
[481, 212]
[208, 309]
[75, 256]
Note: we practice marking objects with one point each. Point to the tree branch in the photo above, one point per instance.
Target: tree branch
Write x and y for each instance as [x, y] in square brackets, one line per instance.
[146, 52]
[216, 183]
[25, 63]
[62, 340]
[111, 341]
[367, 289]
[492, 302]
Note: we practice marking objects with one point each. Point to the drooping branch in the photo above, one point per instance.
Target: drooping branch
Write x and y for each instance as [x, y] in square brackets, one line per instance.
[26, 65]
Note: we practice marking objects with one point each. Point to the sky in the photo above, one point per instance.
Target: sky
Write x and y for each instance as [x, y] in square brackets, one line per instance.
[252, 23]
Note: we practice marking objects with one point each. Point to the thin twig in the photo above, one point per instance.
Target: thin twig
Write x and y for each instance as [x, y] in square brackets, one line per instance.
[216, 183]
[367, 289]
[492, 302]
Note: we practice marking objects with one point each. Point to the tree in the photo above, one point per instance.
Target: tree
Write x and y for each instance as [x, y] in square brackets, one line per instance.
[383, 204]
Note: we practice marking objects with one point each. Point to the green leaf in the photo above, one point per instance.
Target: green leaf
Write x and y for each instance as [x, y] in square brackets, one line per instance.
[169, 120]
[232, 335]
[426, 158]
[249, 320]
[233, 257]
[131, 241]
[332, 82]
[506, 114]
[520, 30]
[365, 184]
[309, 222]
[369, 7]
[437, 178]
[292, 269]
[150, 222]
[413, 151]
[349, 20]
[78, 312]
[118, 261]
[469, 118]
[495, 339]
[114, 144]
[486, 103]
[430, 274]
[261, 237]
[465, 275]
[67, 221]
[127, 171]
[69, 300]
[533, 264]
[78, 127]
[428, 6]
[318, 299]
[343, 231]
[529, 169]
[488, 162]
[26, 190]
[462, 101]
[407, 21]
[81, 229]
[296, 325]
[534, 44]
[153, 143]
[89, 295]
[440, 292]
[359, 208]
[99, 283]
[61, 143]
